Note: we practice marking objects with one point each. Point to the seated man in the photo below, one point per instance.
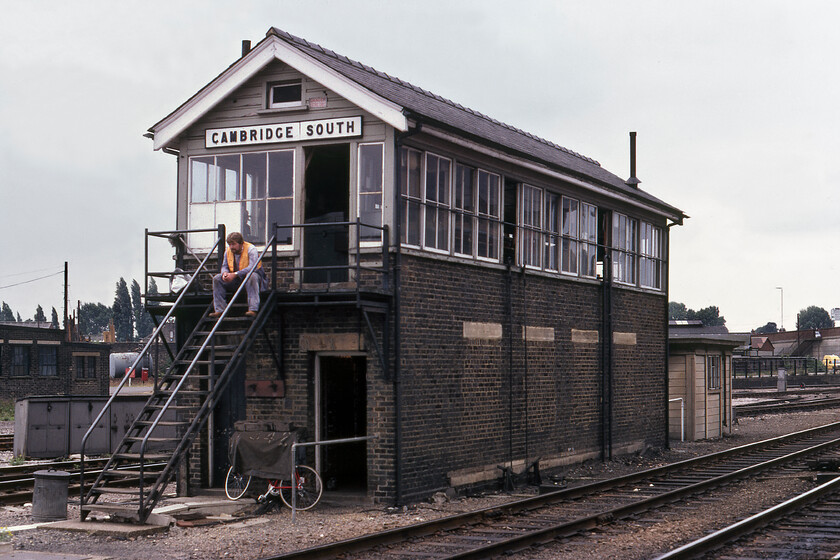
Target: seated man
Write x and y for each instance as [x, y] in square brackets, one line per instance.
[240, 258]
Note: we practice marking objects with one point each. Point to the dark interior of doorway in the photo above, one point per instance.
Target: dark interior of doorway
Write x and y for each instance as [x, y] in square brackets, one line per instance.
[343, 415]
[327, 188]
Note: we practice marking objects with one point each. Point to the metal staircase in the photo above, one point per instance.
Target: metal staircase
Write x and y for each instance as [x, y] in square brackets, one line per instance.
[146, 460]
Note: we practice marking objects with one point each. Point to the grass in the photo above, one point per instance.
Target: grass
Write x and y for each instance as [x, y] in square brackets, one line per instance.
[7, 410]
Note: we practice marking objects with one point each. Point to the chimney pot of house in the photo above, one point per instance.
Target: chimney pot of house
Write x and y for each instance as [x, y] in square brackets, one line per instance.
[246, 47]
[633, 181]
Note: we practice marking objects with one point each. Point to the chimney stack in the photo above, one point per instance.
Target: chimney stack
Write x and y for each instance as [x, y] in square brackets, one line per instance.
[246, 47]
[633, 181]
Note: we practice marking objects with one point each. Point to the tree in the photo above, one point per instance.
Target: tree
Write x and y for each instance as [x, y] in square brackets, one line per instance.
[768, 328]
[814, 317]
[710, 316]
[39, 315]
[123, 315]
[142, 320]
[54, 319]
[676, 311]
[94, 318]
[6, 313]
[18, 319]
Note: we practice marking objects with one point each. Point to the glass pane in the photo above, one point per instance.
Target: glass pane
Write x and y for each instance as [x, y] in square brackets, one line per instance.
[202, 178]
[253, 179]
[414, 173]
[431, 178]
[412, 230]
[370, 168]
[370, 212]
[281, 173]
[286, 93]
[228, 177]
[280, 212]
[253, 221]
[443, 182]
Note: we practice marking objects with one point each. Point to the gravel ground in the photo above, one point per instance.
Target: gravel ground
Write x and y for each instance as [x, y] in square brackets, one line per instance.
[256, 537]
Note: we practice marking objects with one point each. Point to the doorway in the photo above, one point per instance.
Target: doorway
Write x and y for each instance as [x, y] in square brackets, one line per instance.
[230, 408]
[342, 413]
[327, 188]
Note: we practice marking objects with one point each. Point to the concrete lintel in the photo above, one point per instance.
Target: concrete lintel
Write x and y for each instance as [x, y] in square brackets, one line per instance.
[538, 334]
[487, 331]
[584, 337]
[321, 342]
[625, 338]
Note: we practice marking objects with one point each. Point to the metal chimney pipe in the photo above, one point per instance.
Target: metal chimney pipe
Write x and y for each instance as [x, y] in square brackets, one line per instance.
[246, 47]
[633, 181]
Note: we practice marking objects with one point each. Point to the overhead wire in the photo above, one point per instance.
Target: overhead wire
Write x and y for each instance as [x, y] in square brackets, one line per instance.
[32, 280]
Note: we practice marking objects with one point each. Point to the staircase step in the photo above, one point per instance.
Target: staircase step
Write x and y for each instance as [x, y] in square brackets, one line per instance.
[146, 456]
[125, 473]
[161, 423]
[113, 490]
[126, 507]
[217, 348]
[152, 439]
[238, 332]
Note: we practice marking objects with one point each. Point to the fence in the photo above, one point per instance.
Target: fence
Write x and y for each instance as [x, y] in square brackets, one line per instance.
[769, 366]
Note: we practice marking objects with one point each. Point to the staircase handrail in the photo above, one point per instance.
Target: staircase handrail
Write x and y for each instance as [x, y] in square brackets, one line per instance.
[140, 356]
[198, 353]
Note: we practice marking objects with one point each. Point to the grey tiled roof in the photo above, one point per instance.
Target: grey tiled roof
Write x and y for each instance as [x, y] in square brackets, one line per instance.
[423, 104]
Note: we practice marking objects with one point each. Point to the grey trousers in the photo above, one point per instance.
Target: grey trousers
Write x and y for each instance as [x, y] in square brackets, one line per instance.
[221, 289]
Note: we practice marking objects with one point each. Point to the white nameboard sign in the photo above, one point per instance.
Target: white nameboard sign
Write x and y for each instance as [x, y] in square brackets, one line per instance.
[348, 127]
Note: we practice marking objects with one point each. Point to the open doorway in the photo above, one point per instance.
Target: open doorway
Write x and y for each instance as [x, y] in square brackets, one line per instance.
[327, 188]
[342, 413]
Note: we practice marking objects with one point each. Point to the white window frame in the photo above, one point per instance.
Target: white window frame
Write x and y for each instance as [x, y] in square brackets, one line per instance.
[625, 249]
[284, 104]
[494, 221]
[572, 238]
[444, 206]
[205, 240]
[588, 238]
[359, 193]
[714, 377]
[532, 229]
[461, 216]
[406, 199]
[553, 231]
[650, 256]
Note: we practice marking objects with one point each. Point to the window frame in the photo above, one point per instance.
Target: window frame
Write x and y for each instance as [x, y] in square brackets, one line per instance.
[47, 368]
[444, 207]
[211, 161]
[359, 194]
[625, 249]
[407, 199]
[535, 230]
[284, 104]
[17, 369]
[494, 221]
[714, 378]
[569, 238]
[465, 213]
[650, 256]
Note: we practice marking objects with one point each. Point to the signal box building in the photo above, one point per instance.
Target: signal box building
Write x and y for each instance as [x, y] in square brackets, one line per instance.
[469, 295]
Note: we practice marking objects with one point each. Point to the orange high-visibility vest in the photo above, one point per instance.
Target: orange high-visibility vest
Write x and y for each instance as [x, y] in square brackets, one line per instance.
[243, 257]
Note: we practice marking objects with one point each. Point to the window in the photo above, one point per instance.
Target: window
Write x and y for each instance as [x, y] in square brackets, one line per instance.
[285, 94]
[531, 219]
[438, 178]
[246, 192]
[713, 372]
[464, 205]
[624, 234]
[20, 360]
[85, 367]
[410, 190]
[489, 215]
[569, 243]
[588, 239]
[552, 232]
[370, 191]
[48, 360]
[650, 261]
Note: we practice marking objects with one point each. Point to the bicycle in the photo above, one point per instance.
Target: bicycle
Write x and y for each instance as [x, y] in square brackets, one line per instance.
[307, 485]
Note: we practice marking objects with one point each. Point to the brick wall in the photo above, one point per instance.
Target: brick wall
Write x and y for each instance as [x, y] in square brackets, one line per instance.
[16, 383]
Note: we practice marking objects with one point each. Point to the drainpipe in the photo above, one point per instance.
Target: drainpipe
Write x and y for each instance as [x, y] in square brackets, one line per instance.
[398, 139]
[606, 376]
[666, 252]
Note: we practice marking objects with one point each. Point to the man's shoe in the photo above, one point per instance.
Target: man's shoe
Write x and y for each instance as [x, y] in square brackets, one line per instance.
[250, 313]
[215, 315]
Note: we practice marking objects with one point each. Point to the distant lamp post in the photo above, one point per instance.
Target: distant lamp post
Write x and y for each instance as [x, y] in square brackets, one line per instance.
[782, 293]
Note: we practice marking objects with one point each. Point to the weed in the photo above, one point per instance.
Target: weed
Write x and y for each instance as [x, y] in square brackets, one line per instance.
[7, 409]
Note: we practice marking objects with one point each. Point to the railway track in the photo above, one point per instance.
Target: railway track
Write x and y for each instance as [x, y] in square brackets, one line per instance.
[517, 526]
[786, 406]
[7, 442]
[806, 526]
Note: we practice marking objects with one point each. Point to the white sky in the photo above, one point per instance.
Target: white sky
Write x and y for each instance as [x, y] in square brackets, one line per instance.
[735, 104]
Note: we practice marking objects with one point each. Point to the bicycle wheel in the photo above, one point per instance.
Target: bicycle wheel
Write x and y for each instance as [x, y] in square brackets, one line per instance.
[236, 484]
[309, 488]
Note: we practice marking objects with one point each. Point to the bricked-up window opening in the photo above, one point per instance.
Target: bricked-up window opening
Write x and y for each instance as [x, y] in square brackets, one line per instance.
[713, 372]
[20, 360]
[410, 189]
[48, 361]
[464, 205]
[283, 95]
[650, 261]
[438, 177]
[531, 220]
[489, 214]
[588, 240]
[371, 173]
[624, 243]
[246, 192]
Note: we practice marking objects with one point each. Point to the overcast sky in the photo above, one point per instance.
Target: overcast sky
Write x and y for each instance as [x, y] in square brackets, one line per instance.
[735, 105]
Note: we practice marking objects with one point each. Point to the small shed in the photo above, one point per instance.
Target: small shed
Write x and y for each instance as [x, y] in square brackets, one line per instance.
[699, 380]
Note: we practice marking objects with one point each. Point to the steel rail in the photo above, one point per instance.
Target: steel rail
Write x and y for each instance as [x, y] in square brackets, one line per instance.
[767, 408]
[751, 524]
[402, 534]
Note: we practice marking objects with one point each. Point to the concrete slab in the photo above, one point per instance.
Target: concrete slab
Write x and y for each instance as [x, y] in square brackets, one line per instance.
[106, 529]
